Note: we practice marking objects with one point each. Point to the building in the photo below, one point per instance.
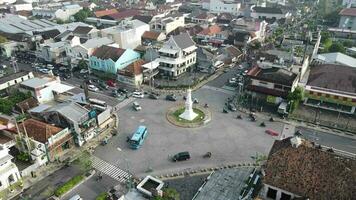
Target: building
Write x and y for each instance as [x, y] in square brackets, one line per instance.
[246, 30]
[102, 13]
[126, 14]
[9, 171]
[54, 140]
[271, 82]
[335, 58]
[299, 169]
[331, 87]
[221, 6]
[85, 32]
[111, 59]
[85, 50]
[177, 55]
[132, 74]
[224, 18]
[13, 79]
[168, 23]
[152, 37]
[209, 60]
[203, 18]
[56, 11]
[212, 35]
[269, 13]
[45, 88]
[349, 3]
[127, 34]
[348, 19]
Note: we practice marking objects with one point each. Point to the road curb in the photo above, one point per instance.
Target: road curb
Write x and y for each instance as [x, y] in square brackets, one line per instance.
[81, 182]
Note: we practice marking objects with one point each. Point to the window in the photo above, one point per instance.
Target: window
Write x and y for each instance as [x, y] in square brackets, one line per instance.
[263, 83]
[15, 81]
[271, 193]
[344, 98]
[285, 196]
[327, 95]
[21, 78]
[278, 86]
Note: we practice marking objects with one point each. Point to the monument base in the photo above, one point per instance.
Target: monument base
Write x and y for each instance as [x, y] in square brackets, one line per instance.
[188, 115]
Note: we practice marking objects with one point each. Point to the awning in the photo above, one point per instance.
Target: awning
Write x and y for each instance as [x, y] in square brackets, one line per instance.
[60, 88]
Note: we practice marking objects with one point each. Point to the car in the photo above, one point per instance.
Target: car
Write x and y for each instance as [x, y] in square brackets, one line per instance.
[171, 97]
[103, 86]
[67, 76]
[181, 156]
[83, 71]
[136, 106]
[45, 71]
[231, 107]
[240, 67]
[122, 90]
[49, 66]
[111, 83]
[232, 80]
[138, 94]
[93, 88]
[272, 132]
[76, 197]
[152, 96]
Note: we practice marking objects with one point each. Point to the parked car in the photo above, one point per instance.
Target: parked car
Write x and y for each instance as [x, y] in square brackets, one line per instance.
[103, 86]
[181, 156]
[232, 80]
[231, 107]
[152, 96]
[49, 66]
[111, 83]
[171, 97]
[45, 71]
[138, 94]
[272, 132]
[122, 90]
[83, 71]
[93, 88]
[76, 197]
[136, 106]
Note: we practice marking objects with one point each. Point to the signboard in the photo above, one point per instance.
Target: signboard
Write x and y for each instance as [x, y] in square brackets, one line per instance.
[102, 117]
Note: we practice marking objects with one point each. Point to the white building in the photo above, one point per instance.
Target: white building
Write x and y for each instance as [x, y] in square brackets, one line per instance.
[348, 19]
[335, 58]
[271, 13]
[177, 55]
[21, 6]
[220, 6]
[13, 79]
[349, 3]
[45, 88]
[127, 34]
[9, 173]
[84, 51]
[168, 23]
[56, 11]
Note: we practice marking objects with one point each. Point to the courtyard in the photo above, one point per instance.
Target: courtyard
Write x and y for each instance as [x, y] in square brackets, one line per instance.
[230, 140]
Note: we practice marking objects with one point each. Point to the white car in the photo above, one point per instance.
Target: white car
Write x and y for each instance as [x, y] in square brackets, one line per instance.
[49, 66]
[232, 80]
[45, 71]
[138, 94]
[83, 71]
[93, 88]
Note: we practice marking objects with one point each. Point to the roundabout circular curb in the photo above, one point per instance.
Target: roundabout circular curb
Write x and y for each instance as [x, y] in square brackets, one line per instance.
[171, 119]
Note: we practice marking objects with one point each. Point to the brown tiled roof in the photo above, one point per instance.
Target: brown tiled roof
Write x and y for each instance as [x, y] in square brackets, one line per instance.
[134, 68]
[348, 12]
[124, 14]
[334, 77]
[39, 131]
[82, 30]
[4, 139]
[204, 16]
[310, 172]
[108, 52]
[273, 75]
[27, 104]
[101, 13]
[152, 35]
[212, 30]
[233, 51]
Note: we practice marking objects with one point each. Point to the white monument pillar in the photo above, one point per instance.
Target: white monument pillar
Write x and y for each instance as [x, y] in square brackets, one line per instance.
[188, 114]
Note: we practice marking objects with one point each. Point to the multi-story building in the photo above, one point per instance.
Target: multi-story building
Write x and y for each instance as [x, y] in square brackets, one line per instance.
[246, 30]
[127, 34]
[221, 6]
[56, 11]
[177, 55]
[9, 171]
[168, 23]
[132, 74]
[347, 24]
[111, 59]
[269, 13]
[13, 79]
[331, 87]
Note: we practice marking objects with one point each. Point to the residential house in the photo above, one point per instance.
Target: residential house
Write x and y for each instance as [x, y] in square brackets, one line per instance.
[86, 32]
[225, 18]
[211, 35]
[271, 82]
[150, 70]
[54, 140]
[132, 74]
[21, 6]
[299, 169]
[144, 18]
[44, 88]
[127, 34]
[13, 79]
[246, 30]
[127, 14]
[270, 14]
[56, 11]
[208, 60]
[230, 54]
[177, 55]
[347, 24]
[102, 13]
[85, 50]
[203, 18]
[168, 23]
[331, 87]
[150, 37]
[336, 58]
[110, 59]
[26, 105]
[9, 171]
[222, 6]
[87, 4]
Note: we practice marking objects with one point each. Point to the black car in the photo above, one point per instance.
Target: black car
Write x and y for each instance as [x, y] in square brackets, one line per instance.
[122, 90]
[152, 96]
[181, 156]
[171, 97]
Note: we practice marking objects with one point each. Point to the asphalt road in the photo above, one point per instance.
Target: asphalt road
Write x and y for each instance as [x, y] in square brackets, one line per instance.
[328, 139]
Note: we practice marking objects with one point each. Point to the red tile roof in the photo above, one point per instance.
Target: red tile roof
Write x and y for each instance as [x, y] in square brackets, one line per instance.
[310, 172]
[348, 12]
[124, 14]
[152, 35]
[102, 13]
[134, 68]
[212, 30]
[39, 131]
[108, 52]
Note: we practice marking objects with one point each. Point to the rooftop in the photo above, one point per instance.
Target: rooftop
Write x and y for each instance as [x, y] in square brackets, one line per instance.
[211, 30]
[348, 12]
[334, 77]
[108, 52]
[124, 14]
[38, 81]
[152, 35]
[270, 10]
[71, 110]
[310, 172]
[183, 40]
[13, 76]
[39, 131]
[134, 68]
[273, 74]
[101, 13]
[125, 26]
[82, 30]
[337, 58]
[97, 42]
[224, 184]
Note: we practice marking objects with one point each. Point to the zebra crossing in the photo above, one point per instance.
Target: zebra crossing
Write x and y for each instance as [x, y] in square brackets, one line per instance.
[110, 170]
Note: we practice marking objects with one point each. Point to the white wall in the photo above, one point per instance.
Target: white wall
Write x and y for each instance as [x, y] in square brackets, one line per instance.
[16, 81]
[218, 6]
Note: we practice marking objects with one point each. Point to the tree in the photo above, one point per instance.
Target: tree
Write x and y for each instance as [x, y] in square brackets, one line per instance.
[169, 194]
[337, 47]
[82, 15]
[6, 106]
[84, 162]
[2, 39]
[295, 97]
[82, 64]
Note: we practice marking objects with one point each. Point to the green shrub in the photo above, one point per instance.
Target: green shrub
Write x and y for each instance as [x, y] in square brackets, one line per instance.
[23, 156]
[102, 196]
[68, 185]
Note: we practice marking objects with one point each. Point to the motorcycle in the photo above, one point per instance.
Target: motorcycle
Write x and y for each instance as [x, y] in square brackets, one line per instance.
[206, 106]
[238, 117]
[271, 119]
[207, 155]
[263, 124]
